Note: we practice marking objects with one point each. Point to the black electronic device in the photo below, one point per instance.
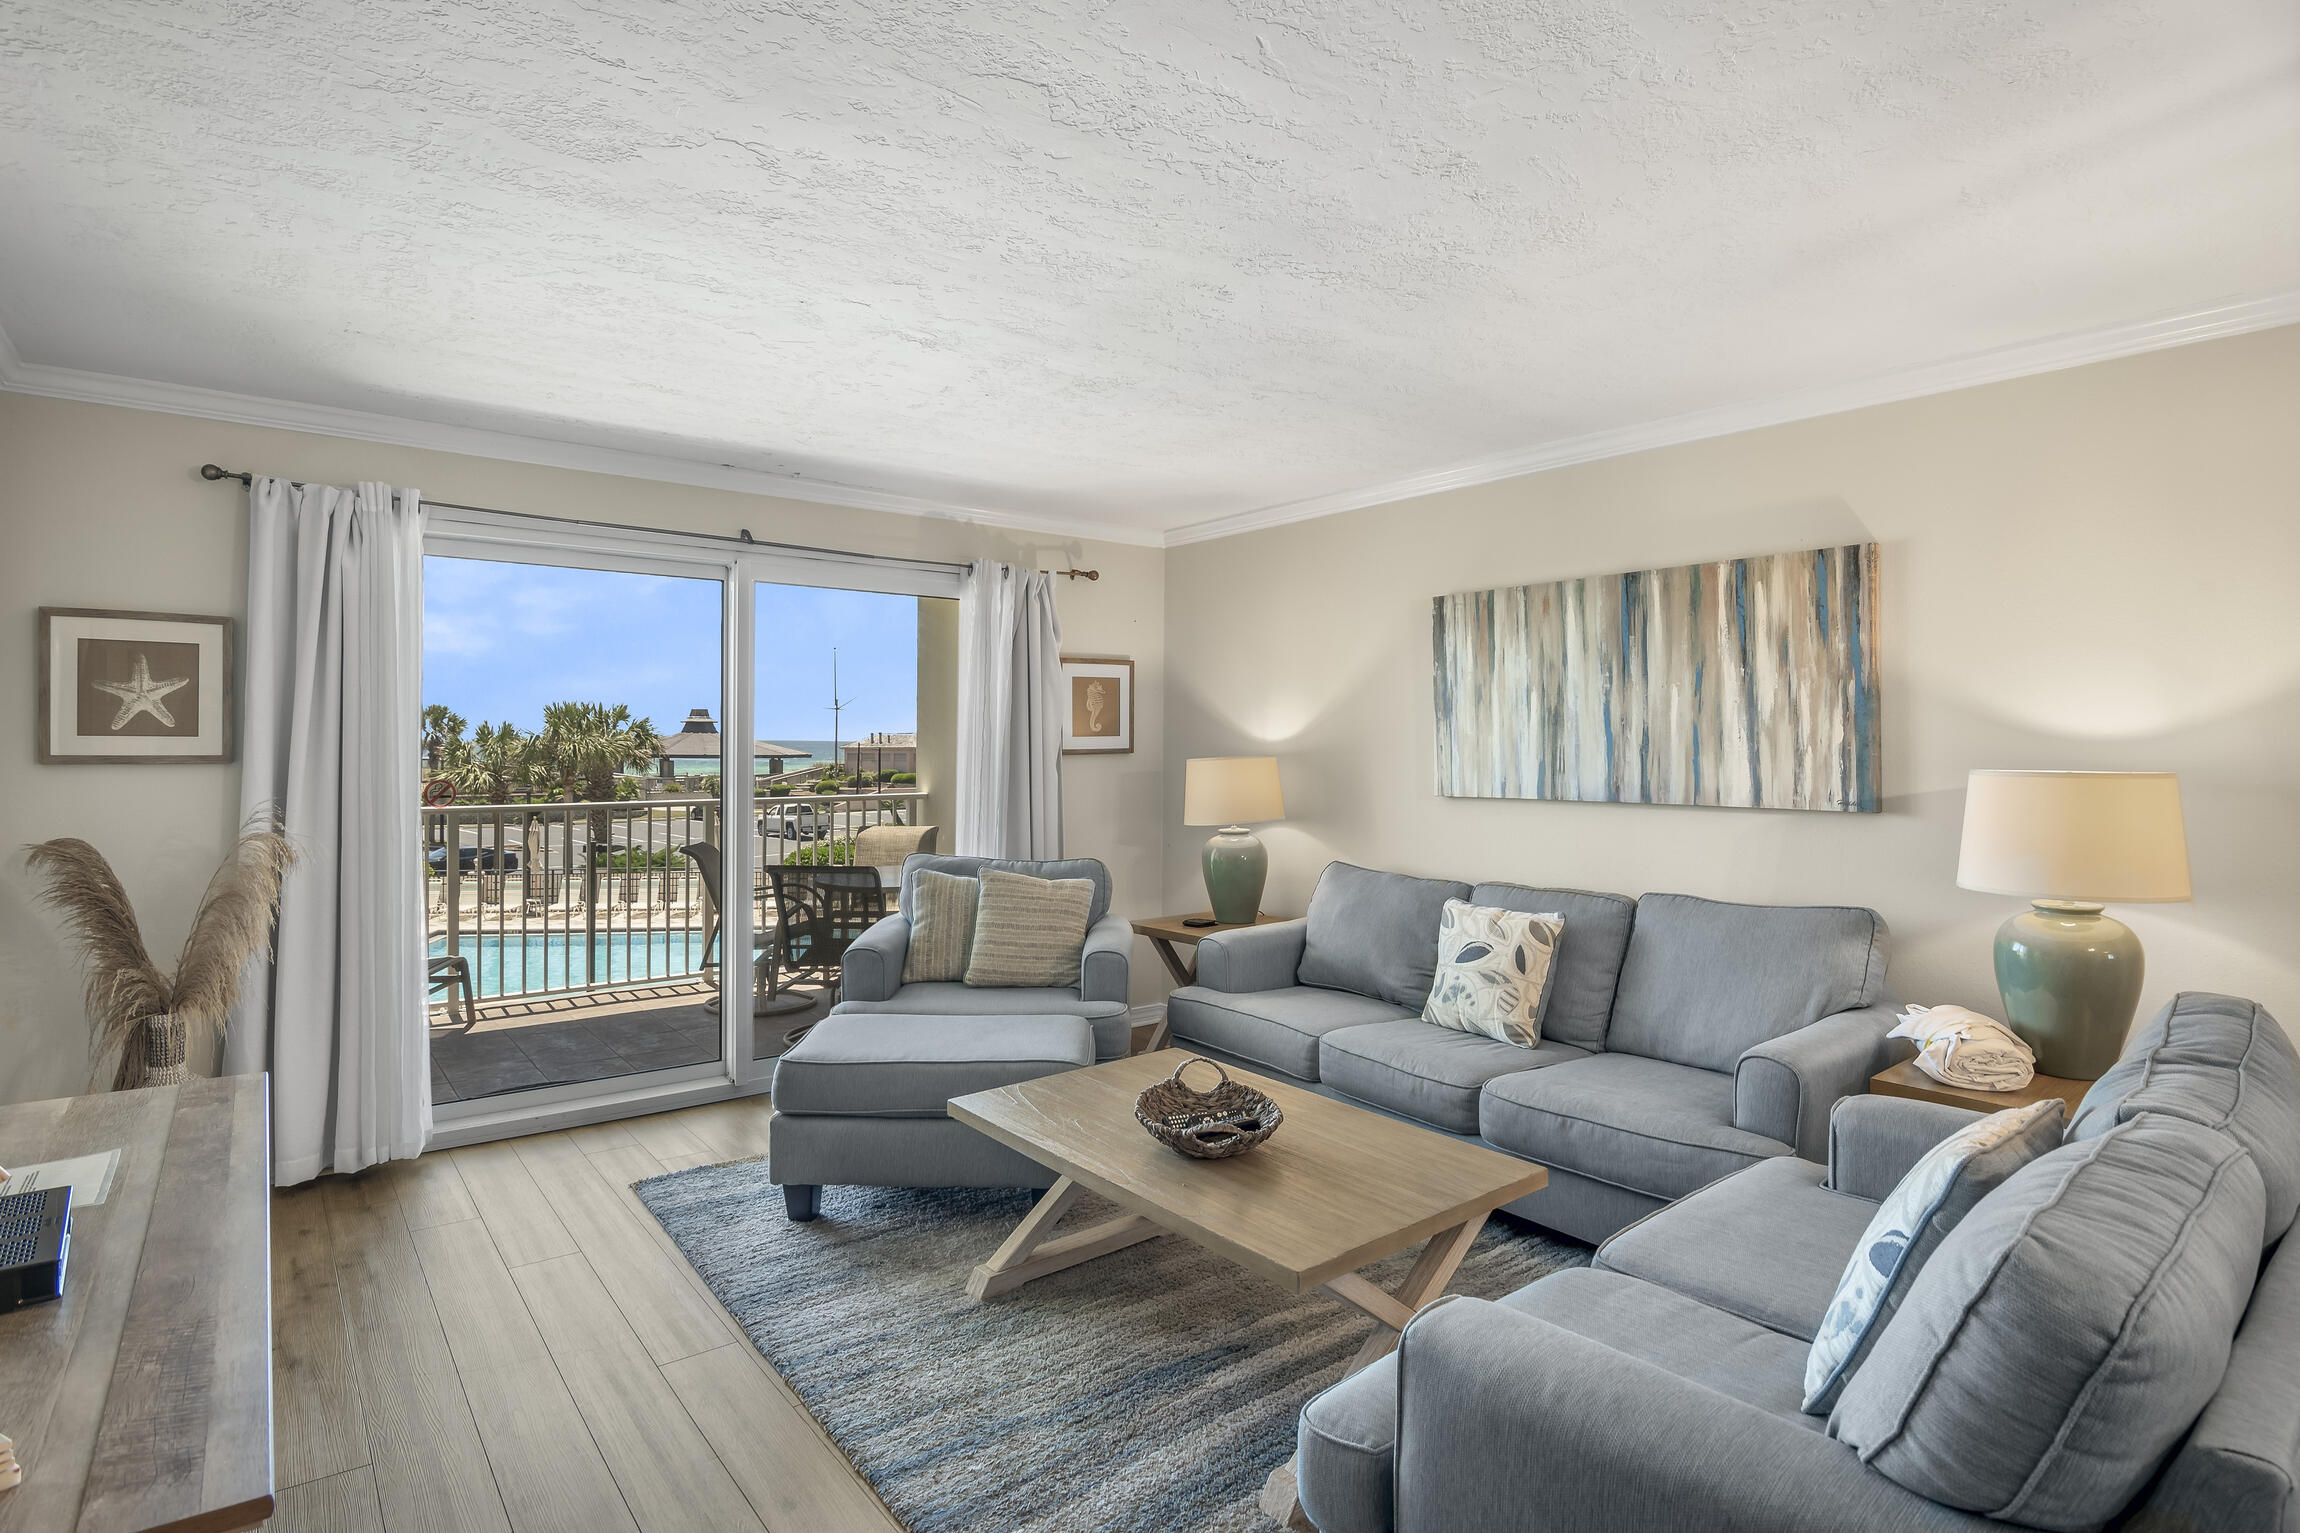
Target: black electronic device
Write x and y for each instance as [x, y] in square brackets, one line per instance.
[35, 1238]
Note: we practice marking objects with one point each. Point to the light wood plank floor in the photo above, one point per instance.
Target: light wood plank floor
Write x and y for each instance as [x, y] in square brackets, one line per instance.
[502, 1338]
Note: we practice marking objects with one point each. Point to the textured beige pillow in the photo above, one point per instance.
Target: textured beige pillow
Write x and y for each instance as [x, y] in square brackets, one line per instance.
[1029, 931]
[941, 927]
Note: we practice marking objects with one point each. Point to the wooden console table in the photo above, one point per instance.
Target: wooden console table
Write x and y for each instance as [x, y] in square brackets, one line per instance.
[141, 1400]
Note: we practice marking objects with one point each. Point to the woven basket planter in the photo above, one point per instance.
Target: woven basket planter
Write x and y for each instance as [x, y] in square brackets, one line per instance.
[164, 1038]
[1207, 1125]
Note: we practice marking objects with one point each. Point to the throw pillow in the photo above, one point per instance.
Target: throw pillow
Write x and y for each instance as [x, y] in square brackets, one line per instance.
[1493, 971]
[1931, 1200]
[941, 927]
[1029, 931]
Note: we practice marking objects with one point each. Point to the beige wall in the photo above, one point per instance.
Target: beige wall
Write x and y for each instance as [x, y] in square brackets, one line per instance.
[102, 507]
[2097, 568]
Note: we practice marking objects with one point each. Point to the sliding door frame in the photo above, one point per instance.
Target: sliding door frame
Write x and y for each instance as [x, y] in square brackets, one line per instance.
[740, 569]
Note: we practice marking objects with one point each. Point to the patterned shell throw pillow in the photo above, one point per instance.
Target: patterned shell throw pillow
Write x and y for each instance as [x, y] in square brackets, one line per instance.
[1941, 1188]
[941, 927]
[1493, 971]
[1029, 931]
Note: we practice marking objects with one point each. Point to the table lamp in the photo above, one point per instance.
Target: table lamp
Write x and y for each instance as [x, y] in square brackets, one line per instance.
[1230, 791]
[2071, 842]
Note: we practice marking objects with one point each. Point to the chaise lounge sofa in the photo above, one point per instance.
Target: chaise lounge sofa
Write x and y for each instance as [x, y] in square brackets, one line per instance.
[2107, 1339]
[1684, 1039]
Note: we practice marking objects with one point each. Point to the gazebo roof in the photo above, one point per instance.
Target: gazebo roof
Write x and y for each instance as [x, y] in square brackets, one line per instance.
[699, 737]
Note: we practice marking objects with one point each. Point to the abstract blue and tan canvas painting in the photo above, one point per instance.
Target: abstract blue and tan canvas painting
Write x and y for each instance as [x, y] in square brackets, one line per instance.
[1748, 684]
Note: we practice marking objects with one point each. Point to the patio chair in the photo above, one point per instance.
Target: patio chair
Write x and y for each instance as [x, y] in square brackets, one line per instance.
[452, 972]
[885, 846]
[764, 951]
[554, 884]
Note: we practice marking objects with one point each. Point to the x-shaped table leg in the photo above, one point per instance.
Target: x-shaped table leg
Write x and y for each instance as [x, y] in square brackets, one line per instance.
[1432, 1270]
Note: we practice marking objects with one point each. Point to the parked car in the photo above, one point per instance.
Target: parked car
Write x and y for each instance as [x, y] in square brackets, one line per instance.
[803, 822]
[476, 859]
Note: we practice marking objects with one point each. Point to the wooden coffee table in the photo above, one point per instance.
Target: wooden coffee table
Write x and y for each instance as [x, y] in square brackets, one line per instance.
[1335, 1189]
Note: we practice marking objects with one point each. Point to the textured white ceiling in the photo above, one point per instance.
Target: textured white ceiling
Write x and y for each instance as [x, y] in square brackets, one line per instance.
[1131, 263]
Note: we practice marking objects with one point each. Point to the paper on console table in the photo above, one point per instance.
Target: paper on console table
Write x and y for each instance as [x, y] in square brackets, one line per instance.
[89, 1177]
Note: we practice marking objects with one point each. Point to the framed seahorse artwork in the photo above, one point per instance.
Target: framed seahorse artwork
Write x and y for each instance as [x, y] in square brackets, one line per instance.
[146, 687]
[1099, 717]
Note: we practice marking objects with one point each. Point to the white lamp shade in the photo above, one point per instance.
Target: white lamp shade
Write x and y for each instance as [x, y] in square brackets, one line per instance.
[1231, 790]
[2097, 837]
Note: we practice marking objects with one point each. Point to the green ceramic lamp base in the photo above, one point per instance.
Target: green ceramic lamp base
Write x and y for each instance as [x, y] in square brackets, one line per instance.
[1236, 867]
[2070, 977]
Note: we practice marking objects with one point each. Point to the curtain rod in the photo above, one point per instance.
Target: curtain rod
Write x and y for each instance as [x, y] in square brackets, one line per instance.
[211, 472]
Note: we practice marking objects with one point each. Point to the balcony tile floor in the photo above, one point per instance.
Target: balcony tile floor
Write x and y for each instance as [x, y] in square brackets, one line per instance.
[564, 1040]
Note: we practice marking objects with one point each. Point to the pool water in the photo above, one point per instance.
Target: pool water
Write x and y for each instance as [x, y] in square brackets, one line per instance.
[514, 965]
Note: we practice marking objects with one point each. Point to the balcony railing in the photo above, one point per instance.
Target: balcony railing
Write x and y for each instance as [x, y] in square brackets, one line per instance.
[589, 897]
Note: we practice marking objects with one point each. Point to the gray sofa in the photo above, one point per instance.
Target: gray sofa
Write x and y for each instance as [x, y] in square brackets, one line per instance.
[2129, 1360]
[870, 975]
[1684, 1039]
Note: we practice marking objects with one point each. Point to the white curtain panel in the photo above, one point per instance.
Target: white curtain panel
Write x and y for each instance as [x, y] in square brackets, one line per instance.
[1009, 714]
[333, 736]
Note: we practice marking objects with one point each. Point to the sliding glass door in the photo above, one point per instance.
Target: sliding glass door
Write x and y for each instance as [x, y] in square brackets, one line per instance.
[621, 729]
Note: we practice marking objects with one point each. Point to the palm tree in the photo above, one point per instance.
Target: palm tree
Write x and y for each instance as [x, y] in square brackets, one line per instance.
[583, 746]
[442, 726]
[499, 760]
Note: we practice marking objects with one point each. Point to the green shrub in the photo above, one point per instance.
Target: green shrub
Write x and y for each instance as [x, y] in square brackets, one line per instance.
[904, 779]
[826, 786]
[821, 854]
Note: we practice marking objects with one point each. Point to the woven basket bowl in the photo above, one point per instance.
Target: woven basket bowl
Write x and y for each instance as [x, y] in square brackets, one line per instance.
[1207, 1125]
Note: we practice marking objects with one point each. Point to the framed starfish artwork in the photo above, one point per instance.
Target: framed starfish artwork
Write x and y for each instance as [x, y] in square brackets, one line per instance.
[152, 687]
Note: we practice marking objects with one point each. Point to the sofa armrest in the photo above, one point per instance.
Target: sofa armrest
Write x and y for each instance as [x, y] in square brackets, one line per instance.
[1507, 1422]
[1252, 958]
[1784, 1087]
[1104, 966]
[1874, 1140]
[871, 967]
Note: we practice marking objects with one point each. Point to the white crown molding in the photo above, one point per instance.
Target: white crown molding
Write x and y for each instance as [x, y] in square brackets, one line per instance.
[2003, 364]
[21, 377]
[1996, 366]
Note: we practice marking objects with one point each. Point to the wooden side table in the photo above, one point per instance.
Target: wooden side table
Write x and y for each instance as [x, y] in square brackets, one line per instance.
[1906, 1080]
[1166, 933]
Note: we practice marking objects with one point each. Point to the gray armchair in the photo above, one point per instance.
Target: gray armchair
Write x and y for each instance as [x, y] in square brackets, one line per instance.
[871, 971]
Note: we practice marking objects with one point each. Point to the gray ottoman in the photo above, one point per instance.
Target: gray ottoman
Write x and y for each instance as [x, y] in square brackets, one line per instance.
[860, 1102]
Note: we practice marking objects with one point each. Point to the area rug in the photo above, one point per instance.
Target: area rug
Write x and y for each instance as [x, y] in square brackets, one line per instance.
[1154, 1388]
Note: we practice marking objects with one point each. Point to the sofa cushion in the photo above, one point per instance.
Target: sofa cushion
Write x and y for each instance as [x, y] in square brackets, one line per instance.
[2066, 1335]
[1946, 1184]
[942, 930]
[2219, 1061]
[1705, 981]
[2239, 1471]
[1643, 1320]
[1374, 933]
[1275, 1029]
[1587, 964]
[1088, 868]
[860, 1065]
[1113, 1032]
[1767, 1244]
[1425, 1072]
[1644, 1124]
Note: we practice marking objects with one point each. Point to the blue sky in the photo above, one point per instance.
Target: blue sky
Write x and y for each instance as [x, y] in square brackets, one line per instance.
[501, 640]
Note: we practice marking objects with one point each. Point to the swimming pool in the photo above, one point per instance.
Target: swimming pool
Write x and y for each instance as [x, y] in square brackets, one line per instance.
[509, 964]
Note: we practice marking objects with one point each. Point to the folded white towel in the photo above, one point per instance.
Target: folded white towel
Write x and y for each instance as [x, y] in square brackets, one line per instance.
[1963, 1048]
